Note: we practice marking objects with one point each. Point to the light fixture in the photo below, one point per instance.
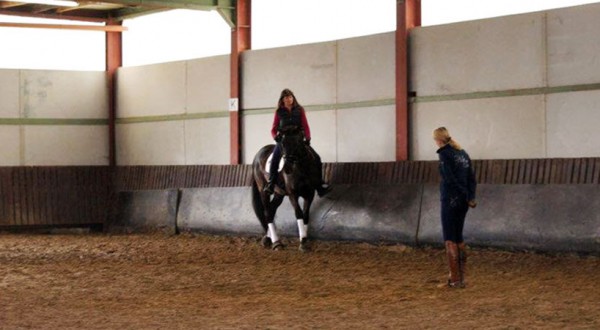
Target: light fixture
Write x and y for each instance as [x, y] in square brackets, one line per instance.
[63, 3]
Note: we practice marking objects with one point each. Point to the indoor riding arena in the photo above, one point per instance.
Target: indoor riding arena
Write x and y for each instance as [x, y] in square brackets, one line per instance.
[126, 195]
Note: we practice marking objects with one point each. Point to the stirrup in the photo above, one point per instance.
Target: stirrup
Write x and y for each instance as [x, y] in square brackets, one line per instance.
[323, 189]
[269, 188]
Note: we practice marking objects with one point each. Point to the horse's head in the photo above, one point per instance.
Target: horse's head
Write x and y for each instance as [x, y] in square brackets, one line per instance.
[292, 142]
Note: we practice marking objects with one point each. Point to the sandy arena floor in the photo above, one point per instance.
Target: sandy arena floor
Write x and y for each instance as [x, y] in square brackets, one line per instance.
[205, 282]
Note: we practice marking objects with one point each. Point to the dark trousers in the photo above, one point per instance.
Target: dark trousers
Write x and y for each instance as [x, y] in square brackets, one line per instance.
[275, 161]
[454, 211]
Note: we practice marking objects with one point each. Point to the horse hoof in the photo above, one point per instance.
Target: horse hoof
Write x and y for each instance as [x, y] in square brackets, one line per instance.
[278, 246]
[266, 242]
[304, 246]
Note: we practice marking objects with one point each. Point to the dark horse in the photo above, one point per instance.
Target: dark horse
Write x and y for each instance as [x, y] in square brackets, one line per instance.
[299, 177]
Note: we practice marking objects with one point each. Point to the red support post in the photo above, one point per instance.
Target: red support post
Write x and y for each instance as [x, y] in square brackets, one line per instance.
[408, 15]
[240, 41]
[114, 60]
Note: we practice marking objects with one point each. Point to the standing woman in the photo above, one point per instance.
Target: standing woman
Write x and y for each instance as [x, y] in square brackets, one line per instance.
[457, 191]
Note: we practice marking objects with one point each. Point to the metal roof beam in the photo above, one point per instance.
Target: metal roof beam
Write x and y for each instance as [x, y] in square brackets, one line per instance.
[9, 4]
[169, 4]
[227, 9]
[86, 18]
[129, 13]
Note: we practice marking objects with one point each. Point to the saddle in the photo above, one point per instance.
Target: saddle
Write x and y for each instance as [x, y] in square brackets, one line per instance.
[282, 161]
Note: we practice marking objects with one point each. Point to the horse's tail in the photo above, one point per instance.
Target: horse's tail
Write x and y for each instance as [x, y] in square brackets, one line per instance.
[257, 204]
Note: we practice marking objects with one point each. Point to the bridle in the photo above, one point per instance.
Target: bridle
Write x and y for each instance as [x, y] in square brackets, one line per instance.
[293, 152]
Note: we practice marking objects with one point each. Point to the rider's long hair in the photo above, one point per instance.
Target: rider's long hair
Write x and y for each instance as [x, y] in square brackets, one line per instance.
[284, 93]
[442, 134]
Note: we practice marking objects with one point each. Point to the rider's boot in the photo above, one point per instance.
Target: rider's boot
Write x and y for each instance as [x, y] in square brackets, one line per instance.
[453, 265]
[462, 262]
[322, 188]
[270, 187]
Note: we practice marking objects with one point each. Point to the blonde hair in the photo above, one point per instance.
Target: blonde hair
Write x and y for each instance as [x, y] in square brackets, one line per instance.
[442, 134]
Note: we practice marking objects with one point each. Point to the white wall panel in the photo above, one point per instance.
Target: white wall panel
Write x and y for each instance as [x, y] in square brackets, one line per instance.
[151, 90]
[366, 68]
[485, 55]
[573, 129]
[499, 128]
[208, 84]
[574, 45]
[367, 134]
[9, 93]
[207, 141]
[158, 143]
[64, 94]
[308, 70]
[66, 145]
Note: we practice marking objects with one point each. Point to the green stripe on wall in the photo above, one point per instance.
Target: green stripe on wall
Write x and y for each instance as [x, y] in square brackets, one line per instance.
[507, 93]
[53, 122]
[187, 116]
[323, 107]
[316, 107]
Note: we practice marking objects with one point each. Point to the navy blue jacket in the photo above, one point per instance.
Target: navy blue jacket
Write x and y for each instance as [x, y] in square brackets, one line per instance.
[458, 176]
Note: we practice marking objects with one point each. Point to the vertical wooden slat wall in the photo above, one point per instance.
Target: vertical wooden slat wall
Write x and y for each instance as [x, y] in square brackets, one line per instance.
[54, 196]
[512, 171]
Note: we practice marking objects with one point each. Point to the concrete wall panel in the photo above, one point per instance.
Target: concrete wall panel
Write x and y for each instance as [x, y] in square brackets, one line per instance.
[66, 145]
[208, 84]
[10, 148]
[508, 127]
[573, 124]
[308, 70]
[9, 93]
[485, 55]
[366, 68]
[160, 143]
[368, 213]
[151, 90]
[367, 134]
[145, 211]
[218, 210]
[64, 94]
[207, 141]
[574, 45]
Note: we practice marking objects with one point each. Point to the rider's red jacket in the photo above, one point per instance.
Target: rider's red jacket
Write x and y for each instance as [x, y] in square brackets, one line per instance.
[285, 116]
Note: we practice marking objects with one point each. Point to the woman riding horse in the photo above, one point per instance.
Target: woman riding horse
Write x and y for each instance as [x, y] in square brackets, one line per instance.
[290, 113]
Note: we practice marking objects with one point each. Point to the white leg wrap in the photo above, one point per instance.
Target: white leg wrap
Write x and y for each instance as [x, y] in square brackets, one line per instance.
[273, 233]
[302, 229]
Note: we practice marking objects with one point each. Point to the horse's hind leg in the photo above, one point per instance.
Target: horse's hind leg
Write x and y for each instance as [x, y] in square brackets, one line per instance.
[303, 224]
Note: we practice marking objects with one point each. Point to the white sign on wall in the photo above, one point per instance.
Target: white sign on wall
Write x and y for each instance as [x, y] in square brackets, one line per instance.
[233, 104]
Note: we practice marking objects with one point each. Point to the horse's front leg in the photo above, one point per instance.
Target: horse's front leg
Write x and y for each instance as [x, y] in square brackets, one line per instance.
[303, 224]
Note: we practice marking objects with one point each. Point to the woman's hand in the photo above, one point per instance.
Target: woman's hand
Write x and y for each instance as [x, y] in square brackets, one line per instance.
[472, 204]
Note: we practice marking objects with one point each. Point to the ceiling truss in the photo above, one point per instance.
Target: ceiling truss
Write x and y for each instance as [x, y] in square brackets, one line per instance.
[116, 10]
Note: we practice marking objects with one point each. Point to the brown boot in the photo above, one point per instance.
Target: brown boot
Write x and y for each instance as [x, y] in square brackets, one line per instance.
[462, 262]
[453, 264]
